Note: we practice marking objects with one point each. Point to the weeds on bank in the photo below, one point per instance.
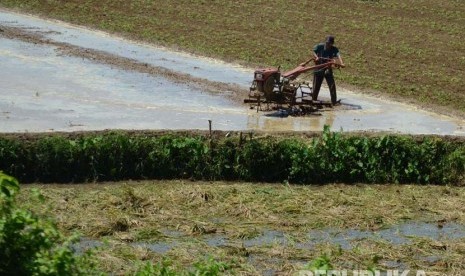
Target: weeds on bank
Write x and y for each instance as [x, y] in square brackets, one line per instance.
[326, 159]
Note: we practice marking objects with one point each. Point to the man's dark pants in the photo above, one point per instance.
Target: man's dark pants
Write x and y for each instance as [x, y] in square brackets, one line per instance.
[318, 80]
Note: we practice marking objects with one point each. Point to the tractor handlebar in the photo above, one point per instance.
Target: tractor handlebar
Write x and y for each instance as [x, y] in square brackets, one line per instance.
[302, 68]
[330, 62]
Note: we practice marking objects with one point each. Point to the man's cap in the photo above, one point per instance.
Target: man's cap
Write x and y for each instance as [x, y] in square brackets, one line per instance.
[330, 39]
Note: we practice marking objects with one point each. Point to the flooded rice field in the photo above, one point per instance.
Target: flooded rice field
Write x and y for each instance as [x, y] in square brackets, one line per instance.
[46, 92]
[59, 77]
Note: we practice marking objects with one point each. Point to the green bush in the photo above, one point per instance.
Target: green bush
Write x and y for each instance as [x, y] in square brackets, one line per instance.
[206, 267]
[332, 157]
[30, 245]
[13, 157]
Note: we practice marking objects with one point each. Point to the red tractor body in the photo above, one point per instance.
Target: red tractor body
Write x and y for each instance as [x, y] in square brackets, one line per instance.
[272, 86]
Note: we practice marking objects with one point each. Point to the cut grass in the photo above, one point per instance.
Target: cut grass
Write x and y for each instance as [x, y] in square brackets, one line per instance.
[200, 206]
[184, 218]
[408, 50]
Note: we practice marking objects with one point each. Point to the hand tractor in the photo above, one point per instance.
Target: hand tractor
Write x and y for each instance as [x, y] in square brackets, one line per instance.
[270, 86]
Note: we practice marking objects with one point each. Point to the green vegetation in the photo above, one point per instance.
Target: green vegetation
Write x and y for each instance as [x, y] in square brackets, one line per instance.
[31, 245]
[208, 267]
[410, 50]
[328, 158]
[320, 263]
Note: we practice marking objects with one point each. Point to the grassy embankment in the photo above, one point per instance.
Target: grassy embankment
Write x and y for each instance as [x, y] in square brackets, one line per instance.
[409, 50]
[326, 158]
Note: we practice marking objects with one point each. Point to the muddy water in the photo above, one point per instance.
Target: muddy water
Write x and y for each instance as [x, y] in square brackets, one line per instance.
[41, 89]
[158, 56]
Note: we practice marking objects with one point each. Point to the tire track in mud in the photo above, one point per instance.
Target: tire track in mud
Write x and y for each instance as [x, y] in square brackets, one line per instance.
[35, 36]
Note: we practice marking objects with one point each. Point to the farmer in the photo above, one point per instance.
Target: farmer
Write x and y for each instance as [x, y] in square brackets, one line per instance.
[323, 53]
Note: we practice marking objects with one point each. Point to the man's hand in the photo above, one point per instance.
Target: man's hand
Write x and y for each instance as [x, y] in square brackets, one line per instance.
[338, 65]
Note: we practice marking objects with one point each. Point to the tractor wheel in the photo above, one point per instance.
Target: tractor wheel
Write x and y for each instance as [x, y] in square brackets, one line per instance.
[268, 88]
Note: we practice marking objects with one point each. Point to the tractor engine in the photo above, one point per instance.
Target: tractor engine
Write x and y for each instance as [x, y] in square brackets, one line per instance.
[266, 81]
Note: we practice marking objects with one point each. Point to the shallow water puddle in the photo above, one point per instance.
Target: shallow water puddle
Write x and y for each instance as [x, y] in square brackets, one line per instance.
[159, 247]
[347, 239]
[85, 244]
[45, 90]
[396, 235]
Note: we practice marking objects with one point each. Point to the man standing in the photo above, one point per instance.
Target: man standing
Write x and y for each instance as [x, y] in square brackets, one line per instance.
[323, 53]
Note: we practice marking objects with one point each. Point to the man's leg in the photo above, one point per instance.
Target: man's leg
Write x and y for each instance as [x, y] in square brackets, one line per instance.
[332, 86]
[317, 81]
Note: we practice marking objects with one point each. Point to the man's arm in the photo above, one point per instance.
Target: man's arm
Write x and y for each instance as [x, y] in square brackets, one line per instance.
[316, 49]
[314, 56]
[341, 63]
